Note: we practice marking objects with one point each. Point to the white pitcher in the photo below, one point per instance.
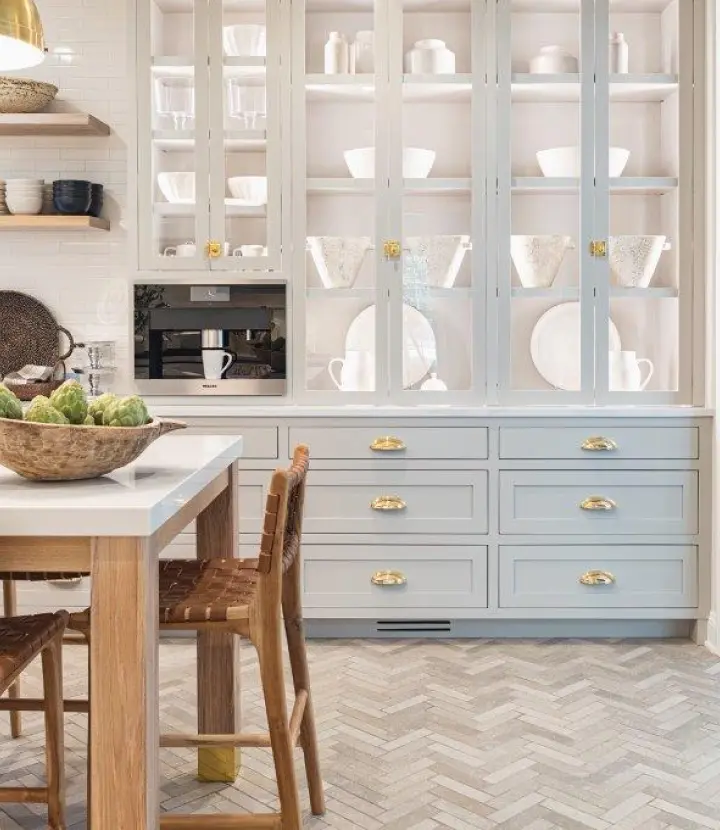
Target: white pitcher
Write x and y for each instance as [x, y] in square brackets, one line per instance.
[357, 372]
[625, 375]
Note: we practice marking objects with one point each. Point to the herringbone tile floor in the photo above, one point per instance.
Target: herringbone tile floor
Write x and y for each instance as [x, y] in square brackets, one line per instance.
[466, 735]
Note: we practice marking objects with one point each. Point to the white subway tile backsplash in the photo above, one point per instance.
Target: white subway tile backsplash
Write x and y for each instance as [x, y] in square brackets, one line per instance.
[84, 278]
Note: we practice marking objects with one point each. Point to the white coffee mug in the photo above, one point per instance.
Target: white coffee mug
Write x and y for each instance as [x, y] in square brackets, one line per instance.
[216, 362]
[625, 375]
[252, 250]
[186, 249]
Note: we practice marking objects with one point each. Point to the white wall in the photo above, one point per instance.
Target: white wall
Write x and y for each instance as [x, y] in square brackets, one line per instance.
[82, 277]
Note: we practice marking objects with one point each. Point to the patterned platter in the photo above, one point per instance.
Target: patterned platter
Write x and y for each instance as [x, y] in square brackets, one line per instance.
[28, 333]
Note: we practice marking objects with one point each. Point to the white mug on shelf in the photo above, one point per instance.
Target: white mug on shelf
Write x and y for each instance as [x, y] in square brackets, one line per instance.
[186, 249]
[251, 250]
[216, 362]
[625, 374]
[357, 372]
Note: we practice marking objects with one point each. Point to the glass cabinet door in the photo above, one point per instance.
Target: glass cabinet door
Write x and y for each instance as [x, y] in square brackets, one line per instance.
[173, 190]
[644, 201]
[436, 198]
[543, 151]
[246, 159]
[340, 175]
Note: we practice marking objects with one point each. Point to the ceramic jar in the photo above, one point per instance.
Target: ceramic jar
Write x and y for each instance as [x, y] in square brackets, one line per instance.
[430, 57]
[363, 53]
[619, 58]
[554, 60]
[337, 55]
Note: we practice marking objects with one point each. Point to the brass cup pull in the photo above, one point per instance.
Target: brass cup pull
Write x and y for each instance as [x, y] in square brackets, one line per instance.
[387, 443]
[598, 443]
[213, 249]
[597, 503]
[388, 503]
[388, 579]
[597, 578]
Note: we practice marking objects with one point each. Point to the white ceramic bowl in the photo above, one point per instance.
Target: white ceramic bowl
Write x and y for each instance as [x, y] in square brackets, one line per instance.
[553, 60]
[246, 40]
[25, 205]
[417, 163]
[537, 259]
[251, 190]
[430, 57]
[633, 259]
[565, 161]
[178, 188]
[24, 182]
[434, 260]
[338, 259]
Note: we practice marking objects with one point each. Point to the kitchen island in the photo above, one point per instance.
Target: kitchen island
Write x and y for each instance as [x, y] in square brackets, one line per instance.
[115, 528]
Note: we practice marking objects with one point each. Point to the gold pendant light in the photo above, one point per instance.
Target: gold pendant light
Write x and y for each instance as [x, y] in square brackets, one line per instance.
[22, 43]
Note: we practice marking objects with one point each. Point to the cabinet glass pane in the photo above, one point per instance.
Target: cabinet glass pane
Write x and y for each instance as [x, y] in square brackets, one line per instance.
[246, 165]
[545, 173]
[643, 189]
[432, 331]
[342, 165]
[168, 154]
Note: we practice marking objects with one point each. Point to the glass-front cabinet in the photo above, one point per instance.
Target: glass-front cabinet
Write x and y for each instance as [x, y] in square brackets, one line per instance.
[210, 160]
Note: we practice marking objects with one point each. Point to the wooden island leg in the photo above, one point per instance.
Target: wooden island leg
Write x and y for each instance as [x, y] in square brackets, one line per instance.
[218, 655]
[124, 686]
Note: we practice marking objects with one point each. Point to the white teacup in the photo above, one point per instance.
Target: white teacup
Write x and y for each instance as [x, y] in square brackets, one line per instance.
[186, 249]
[251, 250]
[216, 362]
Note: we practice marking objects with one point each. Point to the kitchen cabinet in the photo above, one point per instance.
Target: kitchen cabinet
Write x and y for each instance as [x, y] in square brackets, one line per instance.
[518, 235]
[209, 150]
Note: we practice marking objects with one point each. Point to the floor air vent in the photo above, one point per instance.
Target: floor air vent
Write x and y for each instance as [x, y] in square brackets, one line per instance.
[413, 626]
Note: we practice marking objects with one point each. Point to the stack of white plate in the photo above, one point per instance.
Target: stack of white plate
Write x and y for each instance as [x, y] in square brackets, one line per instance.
[24, 196]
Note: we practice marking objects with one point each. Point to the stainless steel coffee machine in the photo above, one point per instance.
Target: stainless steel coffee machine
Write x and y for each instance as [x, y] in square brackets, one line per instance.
[210, 340]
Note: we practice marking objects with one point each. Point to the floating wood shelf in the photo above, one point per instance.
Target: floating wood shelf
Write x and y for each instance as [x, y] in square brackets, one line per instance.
[53, 223]
[51, 123]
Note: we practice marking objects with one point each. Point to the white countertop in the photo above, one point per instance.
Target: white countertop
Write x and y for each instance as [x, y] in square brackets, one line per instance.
[133, 501]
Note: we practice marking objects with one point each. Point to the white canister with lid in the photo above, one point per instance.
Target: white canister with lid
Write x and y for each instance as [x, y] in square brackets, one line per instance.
[337, 55]
[553, 60]
[619, 54]
[430, 57]
[363, 53]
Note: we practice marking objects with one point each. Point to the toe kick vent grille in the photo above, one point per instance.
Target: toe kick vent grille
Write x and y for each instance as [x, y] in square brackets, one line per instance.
[413, 626]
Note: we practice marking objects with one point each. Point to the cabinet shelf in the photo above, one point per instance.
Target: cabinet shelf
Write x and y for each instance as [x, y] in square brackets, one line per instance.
[53, 223]
[415, 88]
[370, 294]
[437, 186]
[171, 210]
[346, 186]
[572, 292]
[530, 88]
[560, 6]
[51, 124]
[625, 185]
[428, 88]
[236, 141]
[184, 67]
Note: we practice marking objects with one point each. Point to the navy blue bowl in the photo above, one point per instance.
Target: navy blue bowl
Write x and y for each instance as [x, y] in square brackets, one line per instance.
[72, 183]
[72, 205]
[96, 206]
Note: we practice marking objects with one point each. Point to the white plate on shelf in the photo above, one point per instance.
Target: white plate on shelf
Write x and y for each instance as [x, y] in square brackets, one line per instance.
[555, 346]
[419, 347]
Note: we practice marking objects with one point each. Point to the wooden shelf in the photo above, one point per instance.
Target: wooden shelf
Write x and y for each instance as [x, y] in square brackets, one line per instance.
[236, 141]
[622, 186]
[51, 123]
[53, 223]
[530, 88]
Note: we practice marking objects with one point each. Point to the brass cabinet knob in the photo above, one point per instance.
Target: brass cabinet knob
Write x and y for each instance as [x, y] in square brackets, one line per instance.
[387, 443]
[392, 249]
[213, 249]
[597, 578]
[598, 443]
[598, 248]
[597, 503]
[388, 579]
[388, 503]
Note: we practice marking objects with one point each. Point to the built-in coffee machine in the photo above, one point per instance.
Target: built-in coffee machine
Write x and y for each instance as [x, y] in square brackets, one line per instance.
[210, 340]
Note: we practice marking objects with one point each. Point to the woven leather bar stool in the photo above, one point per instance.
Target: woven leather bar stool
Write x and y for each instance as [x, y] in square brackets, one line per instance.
[249, 598]
[22, 639]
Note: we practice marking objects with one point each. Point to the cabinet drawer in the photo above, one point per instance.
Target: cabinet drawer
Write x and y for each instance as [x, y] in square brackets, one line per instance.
[422, 443]
[258, 442]
[653, 503]
[619, 442]
[639, 576]
[435, 577]
[339, 501]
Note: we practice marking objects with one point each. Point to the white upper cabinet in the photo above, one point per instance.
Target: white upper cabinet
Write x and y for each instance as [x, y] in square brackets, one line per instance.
[209, 146]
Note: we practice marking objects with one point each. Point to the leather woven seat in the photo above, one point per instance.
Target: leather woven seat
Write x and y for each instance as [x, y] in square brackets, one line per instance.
[22, 638]
[207, 590]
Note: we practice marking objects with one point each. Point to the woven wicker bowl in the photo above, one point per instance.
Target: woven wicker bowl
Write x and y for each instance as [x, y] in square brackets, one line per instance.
[60, 452]
[24, 95]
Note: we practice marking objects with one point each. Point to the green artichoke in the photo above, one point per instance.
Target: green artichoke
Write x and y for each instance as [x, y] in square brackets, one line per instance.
[10, 406]
[41, 411]
[71, 401]
[97, 407]
[127, 412]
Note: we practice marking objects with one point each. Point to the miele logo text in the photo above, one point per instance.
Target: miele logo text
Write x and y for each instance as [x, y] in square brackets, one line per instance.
[209, 385]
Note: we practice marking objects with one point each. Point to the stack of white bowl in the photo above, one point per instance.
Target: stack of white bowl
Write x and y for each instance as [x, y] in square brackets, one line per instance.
[24, 196]
[3, 206]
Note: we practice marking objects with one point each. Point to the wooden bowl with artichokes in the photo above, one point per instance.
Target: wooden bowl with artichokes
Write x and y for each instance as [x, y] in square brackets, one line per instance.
[65, 438]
